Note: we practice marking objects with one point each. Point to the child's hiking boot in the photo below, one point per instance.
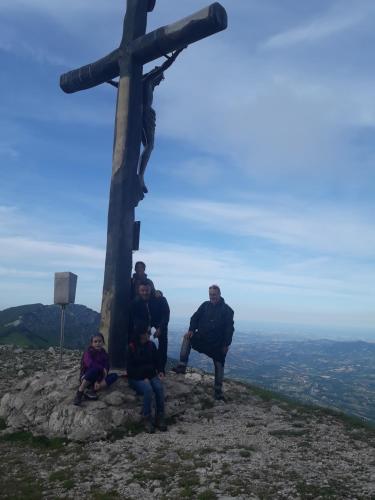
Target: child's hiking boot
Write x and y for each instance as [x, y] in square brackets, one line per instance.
[78, 398]
[91, 395]
[179, 369]
[160, 422]
[148, 425]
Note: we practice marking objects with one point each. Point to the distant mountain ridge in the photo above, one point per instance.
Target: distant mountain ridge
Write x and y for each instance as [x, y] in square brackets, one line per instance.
[38, 325]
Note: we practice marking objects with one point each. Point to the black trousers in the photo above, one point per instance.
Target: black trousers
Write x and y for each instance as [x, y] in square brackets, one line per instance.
[163, 348]
[217, 357]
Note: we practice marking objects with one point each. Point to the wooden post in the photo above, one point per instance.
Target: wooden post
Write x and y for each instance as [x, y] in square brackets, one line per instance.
[127, 61]
[125, 190]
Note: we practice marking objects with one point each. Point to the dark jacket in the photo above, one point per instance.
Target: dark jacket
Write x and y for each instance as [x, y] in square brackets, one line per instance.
[143, 361]
[93, 358]
[212, 326]
[135, 282]
[154, 312]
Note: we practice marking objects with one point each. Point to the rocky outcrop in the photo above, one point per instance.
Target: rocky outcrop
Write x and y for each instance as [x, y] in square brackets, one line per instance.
[253, 446]
[42, 404]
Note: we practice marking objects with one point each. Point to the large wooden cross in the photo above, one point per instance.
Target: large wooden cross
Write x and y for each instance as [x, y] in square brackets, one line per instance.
[135, 50]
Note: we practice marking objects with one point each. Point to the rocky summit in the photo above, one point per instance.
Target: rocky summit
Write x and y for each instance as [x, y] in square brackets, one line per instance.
[253, 446]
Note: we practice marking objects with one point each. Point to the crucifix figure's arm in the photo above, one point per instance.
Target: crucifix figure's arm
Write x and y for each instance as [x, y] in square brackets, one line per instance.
[157, 71]
[156, 75]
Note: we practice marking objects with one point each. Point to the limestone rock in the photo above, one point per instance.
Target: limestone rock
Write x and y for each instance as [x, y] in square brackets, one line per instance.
[246, 448]
[42, 403]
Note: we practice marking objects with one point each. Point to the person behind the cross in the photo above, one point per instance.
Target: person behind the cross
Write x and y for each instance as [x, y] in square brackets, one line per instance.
[145, 377]
[94, 370]
[210, 332]
[139, 277]
[153, 311]
[160, 315]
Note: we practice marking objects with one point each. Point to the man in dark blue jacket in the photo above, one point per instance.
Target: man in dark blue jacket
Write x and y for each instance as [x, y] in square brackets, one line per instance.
[210, 332]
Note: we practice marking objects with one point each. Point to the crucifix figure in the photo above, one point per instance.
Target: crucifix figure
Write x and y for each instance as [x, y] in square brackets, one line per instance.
[134, 125]
[149, 81]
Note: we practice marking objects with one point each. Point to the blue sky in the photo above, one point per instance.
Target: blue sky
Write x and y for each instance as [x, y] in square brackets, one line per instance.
[262, 178]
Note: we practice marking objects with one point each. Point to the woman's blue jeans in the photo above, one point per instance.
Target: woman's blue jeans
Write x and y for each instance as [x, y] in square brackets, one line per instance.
[146, 389]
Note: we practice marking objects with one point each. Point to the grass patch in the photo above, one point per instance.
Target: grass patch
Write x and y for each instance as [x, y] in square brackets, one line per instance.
[308, 410]
[104, 495]
[207, 495]
[188, 481]
[68, 484]
[305, 444]
[308, 491]
[26, 438]
[185, 454]
[245, 453]
[151, 475]
[237, 486]
[187, 493]
[130, 428]
[60, 475]
[249, 425]
[206, 450]
[225, 468]
[160, 471]
[206, 403]
[171, 419]
[281, 433]
[21, 488]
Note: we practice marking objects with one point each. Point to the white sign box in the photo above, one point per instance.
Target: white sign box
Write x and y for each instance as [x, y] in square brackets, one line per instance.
[65, 288]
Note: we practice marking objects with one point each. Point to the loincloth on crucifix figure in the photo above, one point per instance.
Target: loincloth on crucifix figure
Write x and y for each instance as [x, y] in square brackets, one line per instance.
[149, 81]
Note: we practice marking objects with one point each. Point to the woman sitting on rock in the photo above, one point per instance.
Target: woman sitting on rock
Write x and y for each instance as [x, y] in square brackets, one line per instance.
[145, 374]
[94, 370]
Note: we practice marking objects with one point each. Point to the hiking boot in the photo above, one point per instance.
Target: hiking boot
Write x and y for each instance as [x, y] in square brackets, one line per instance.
[91, 395]
[78, 398]
[219, 396]
[179, 369]
[160, 423]
[148, 425]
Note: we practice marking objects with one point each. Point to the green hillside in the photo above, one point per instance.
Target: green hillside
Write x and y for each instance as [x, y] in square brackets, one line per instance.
[38, 325]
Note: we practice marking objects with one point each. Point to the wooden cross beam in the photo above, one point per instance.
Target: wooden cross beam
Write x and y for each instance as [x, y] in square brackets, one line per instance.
[136, 49]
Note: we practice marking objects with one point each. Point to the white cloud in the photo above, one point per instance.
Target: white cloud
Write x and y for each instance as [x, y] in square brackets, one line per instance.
[197, 266]
[339, 231]
[21, 273]
[198, 171]
[47, 254]
[316, 294]
[62, 9]
[265, 117]
[323, 27]
[184, 272]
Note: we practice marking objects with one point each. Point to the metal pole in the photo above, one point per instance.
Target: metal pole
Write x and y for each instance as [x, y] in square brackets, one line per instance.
[62, 327]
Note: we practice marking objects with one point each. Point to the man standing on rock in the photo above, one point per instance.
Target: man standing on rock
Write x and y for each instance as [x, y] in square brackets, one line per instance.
[210, 332]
